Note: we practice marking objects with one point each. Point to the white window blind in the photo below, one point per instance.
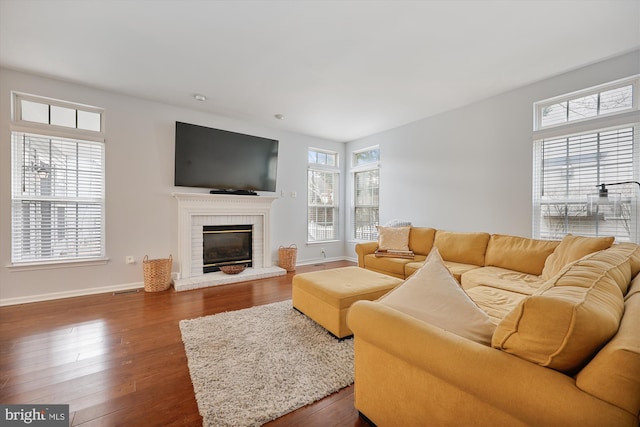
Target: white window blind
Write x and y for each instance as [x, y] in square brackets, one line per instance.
[57, 198]
[322, 204]
[568, 169]
[366, 189]
[366, 206]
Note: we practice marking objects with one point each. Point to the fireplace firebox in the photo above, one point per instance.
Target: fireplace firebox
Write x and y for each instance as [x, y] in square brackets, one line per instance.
[226, 245]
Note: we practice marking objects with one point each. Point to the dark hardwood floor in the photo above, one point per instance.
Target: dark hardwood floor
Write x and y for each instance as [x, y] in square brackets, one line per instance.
[118, 360]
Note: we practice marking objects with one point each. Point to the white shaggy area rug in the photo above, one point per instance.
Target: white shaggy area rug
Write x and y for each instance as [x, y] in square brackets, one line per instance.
[252, 366]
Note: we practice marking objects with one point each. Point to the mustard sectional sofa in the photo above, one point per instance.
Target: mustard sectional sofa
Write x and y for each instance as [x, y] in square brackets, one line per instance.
[560, 319]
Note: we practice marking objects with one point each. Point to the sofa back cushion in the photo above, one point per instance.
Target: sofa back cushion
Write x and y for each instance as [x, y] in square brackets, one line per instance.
[519, 253]
[465, 248]
[421, 239]
[571, 249]
[572, 316]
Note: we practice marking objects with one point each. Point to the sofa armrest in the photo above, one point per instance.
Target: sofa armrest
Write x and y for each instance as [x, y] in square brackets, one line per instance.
[365, 248]
[524, 390]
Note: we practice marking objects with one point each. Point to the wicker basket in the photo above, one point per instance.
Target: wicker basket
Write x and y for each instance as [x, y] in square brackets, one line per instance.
[157, 273]
[287, 257]
[233, 269]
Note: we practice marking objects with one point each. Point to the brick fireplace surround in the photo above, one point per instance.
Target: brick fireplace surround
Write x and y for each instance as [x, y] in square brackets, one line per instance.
[196, 210]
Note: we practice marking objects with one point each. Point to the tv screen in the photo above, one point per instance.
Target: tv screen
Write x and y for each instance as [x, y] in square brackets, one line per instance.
[223, 160]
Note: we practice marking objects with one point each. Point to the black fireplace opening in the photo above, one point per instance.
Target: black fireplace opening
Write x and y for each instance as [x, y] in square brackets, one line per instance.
[226, 245]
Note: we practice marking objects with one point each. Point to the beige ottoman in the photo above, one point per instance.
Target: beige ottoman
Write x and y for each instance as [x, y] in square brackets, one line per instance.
[325, 296]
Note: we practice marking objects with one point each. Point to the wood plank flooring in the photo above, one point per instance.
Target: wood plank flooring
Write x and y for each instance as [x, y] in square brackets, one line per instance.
[118, 360]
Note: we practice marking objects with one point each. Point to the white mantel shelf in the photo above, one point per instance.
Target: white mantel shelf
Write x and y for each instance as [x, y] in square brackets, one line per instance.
[194, 209]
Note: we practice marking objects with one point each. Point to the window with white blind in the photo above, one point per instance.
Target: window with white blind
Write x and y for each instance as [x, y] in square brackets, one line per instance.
[568, 168]
[323, 181]
[57, 193]
[366, 189]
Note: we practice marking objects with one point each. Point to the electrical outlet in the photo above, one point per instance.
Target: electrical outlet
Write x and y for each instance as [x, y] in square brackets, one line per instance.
[130, 259]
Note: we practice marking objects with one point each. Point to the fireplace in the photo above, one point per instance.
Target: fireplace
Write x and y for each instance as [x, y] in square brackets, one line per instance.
[226, 245]
[197, 210]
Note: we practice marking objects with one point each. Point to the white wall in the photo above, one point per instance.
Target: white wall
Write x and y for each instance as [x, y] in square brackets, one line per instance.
[470, 169]
[141, 214]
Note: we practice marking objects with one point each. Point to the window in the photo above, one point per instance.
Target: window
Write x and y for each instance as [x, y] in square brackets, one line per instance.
[573, 160]
[57, 181]
[584, 105]
[322, 201]
[366, 184]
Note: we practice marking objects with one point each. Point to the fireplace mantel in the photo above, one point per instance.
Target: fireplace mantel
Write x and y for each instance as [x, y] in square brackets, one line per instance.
[196, 209]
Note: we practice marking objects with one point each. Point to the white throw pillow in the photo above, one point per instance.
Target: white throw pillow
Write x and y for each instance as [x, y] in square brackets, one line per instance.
[433, 295]
[393, 238]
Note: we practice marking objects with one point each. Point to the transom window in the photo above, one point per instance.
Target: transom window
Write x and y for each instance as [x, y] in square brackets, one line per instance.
[57, 182]
[595, 102]
[35, 111]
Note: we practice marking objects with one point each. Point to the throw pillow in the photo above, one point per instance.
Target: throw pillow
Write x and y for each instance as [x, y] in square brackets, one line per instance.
[393, 238]
[433, 295]
[572, 248]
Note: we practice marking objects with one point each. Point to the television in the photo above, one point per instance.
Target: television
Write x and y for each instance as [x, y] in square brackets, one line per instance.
[224, 161]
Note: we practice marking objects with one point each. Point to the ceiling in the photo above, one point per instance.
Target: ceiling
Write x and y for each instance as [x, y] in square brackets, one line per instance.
[339, 70]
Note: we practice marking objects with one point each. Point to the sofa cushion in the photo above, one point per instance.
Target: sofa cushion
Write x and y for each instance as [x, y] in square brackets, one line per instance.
[518, 253]
[464, 248]
[421, 240]
[388, 265]
[393, 238]
[501, 278]
[497, 303]
[571, 249]
[571, 317]
[456, 268]
[432, 295]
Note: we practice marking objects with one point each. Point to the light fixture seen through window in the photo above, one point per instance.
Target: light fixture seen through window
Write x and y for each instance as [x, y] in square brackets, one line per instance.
[607, 204]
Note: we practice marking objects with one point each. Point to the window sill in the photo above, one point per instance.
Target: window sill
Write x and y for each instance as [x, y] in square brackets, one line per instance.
[30, 266]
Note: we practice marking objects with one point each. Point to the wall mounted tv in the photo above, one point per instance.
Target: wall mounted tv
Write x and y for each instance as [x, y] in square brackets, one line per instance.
[224, 161]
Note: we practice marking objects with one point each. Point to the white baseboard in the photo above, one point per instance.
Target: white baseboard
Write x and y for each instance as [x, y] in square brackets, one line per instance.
[124, 287]
[323, 260]
[70, 294]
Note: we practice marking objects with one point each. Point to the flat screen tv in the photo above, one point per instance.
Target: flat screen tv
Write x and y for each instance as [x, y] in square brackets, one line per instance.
[224, 161]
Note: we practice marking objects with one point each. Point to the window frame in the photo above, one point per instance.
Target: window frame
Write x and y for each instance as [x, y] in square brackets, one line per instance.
[335, 206]
[19, 127]
[18, 124]
[539, 106]
[594, 127]
[355, 170]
